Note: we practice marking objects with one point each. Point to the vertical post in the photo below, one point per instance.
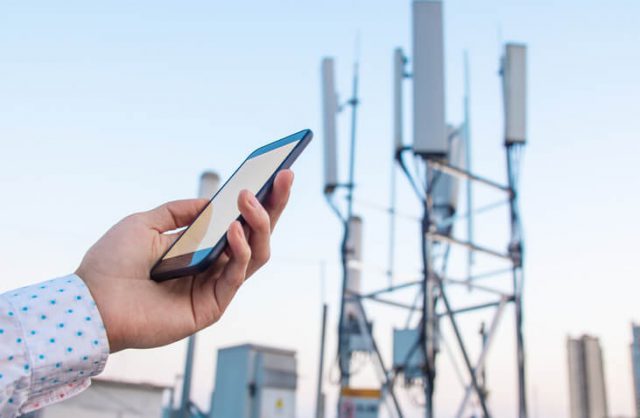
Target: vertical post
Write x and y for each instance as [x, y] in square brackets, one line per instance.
[399, 62]
[352, 153]
[344, 355]
[469, 168]
[514, 89]
[186, 380]
[428, 316]
[515, 250]
[319, 394]
[392, 225]
[207, 187]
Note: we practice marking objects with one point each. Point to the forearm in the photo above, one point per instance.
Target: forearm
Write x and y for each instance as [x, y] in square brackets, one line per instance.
[51, 342]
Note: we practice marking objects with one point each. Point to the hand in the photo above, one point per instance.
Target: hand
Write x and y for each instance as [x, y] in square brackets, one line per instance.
[140, 313]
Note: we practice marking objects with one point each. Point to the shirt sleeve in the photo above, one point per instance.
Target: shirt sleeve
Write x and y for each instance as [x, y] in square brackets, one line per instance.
[52, 340]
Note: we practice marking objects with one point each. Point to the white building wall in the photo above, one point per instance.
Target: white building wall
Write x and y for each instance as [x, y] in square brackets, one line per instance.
[106, 399]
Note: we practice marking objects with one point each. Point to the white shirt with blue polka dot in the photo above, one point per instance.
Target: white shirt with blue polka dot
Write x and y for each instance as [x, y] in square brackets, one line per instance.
[52, 341]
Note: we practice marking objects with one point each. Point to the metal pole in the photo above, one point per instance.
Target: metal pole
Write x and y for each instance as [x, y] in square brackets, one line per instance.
[352, 156]
[343, 353]
[319, 394]
[392, 225]
[487, 338]
[207, 187]
[465, 355]
[515, 249]
[387, 382]
[428, 310]
[468, 167]
[186, 381]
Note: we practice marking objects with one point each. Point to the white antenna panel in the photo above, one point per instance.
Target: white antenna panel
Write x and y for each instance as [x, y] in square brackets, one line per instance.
[209, 183]
[446, 187]
[355, 254]
[429, 126]
[514, 84]
[398, 78]
[354, 264]
[329, 113]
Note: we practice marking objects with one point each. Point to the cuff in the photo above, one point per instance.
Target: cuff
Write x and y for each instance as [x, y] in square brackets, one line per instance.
[64, 337]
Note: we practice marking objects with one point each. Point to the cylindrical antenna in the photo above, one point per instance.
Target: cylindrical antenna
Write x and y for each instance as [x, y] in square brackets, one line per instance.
[354, 261]
[329, 113]
[446, 187]
[514, 90]
[398, 78]
[429, 126]
[207, 187]
[209, 183]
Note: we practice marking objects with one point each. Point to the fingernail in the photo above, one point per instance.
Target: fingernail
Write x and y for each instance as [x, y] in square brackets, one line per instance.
[235, 229]
[239, 229]
[252, 200]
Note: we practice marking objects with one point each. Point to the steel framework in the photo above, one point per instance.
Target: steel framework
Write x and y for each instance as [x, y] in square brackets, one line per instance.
[433, 300]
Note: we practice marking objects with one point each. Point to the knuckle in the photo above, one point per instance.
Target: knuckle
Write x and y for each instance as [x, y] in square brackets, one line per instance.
[246, 253]
[265, 222]
[260, 259]
[264, 257]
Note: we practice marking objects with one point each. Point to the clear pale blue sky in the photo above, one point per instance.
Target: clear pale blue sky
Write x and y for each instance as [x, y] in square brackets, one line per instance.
[110, 108]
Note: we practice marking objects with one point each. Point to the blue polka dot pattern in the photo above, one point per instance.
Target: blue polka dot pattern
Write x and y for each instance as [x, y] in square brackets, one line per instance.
[52, 341]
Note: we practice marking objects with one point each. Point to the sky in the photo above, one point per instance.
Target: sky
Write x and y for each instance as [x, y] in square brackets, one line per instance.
[114, 107]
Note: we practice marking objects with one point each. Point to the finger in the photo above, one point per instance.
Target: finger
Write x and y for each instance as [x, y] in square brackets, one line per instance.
[234, 273]
[279, 195]
[173, 215]
[258, 220]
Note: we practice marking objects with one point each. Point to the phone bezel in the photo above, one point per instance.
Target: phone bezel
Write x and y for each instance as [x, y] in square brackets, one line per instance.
[159, 274]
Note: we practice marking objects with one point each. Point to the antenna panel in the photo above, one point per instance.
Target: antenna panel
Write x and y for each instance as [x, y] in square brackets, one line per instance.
[398, 77]
[514, 81]
[446, 187]
[429, 126]
[329, 113]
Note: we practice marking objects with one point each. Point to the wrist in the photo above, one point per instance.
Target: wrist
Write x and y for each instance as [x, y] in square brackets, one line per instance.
[101, 302]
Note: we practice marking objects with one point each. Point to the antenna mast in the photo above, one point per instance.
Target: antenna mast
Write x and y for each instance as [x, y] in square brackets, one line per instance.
[443, 155]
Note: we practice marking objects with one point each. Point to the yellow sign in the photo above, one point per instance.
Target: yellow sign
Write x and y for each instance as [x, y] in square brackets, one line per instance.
[279, 403]
[360, 393]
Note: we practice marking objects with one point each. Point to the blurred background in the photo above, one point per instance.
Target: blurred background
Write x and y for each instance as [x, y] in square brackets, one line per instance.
[109, 108]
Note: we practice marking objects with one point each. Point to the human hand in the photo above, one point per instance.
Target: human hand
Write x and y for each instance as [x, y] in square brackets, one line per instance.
[140, 313]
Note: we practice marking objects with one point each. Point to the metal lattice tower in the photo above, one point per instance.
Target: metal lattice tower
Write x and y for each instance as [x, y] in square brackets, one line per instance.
[443, 153]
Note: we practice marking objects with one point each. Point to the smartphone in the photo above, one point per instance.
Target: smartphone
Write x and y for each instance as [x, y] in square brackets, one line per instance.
[206, 238]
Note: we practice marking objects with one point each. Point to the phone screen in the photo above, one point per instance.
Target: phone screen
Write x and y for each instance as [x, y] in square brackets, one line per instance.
[210, 227]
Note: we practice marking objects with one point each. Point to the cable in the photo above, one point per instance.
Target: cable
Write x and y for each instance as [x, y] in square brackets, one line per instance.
[418, 190]
[334, 207]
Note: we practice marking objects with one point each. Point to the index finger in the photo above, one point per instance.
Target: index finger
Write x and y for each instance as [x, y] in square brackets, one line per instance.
[279, 196]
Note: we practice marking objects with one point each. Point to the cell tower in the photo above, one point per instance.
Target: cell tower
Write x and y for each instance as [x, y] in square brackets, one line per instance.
[442, 153]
